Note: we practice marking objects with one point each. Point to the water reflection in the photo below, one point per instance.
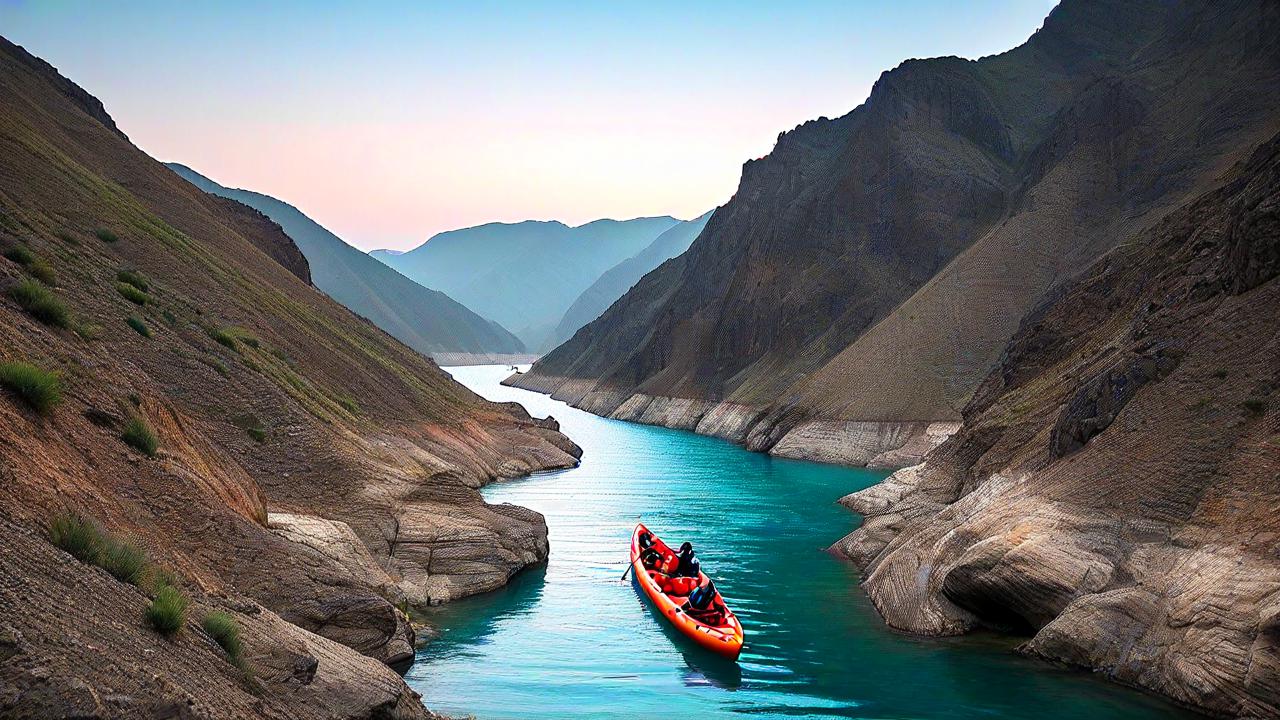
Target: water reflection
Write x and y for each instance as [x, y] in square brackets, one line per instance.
[569, 640]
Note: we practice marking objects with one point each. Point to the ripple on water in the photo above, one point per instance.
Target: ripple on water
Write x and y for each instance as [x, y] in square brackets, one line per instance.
[569, 639]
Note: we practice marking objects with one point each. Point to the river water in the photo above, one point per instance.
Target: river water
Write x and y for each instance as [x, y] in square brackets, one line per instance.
[570, 639]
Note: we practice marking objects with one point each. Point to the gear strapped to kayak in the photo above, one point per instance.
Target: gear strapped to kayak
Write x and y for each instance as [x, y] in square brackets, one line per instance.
[683, 594]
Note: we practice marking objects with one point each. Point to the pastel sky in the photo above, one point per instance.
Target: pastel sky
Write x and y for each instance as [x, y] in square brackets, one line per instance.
[389, 122]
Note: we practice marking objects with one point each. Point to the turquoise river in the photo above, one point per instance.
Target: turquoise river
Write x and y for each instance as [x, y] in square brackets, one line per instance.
[572, 640]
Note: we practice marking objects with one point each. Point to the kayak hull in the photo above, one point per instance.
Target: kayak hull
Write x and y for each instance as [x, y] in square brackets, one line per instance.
[724, 639]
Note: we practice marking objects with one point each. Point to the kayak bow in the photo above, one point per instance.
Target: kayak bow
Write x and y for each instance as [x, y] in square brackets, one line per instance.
[717, 630]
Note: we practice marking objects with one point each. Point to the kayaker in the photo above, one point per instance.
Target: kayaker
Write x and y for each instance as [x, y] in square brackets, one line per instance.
[701, 597]
[689, 565]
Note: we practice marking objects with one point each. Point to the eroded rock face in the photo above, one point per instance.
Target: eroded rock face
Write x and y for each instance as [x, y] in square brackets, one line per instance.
[95, 658]
[1112, 491]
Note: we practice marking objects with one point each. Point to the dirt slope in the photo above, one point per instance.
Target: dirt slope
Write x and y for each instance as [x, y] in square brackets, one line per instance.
[311, 469]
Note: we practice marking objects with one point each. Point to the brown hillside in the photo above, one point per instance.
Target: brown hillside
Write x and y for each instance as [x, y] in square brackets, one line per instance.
[1113, 492]
[310, 470]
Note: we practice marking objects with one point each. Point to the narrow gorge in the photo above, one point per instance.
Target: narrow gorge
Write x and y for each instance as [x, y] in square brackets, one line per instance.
[1042, 284]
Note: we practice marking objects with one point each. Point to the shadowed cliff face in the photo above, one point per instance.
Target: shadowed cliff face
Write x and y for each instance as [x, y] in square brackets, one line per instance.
[312, 473]
[872, 267]
[1113, 490]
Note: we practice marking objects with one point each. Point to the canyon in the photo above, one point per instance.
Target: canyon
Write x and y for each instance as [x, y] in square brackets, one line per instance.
[1043, 285]
[921, 227]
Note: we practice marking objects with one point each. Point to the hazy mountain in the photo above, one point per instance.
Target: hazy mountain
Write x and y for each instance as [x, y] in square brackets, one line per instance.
[426, 320]
[618, 279]
[525, 275]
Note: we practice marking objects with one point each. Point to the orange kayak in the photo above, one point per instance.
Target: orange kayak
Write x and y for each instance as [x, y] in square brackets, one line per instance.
[716, 629]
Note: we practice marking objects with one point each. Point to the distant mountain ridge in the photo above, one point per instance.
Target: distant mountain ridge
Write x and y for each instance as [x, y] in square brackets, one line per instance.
[524, 275]
[425, 319]
[618, 279]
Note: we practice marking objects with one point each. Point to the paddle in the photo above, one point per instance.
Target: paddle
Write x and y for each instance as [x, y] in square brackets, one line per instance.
[627, 571]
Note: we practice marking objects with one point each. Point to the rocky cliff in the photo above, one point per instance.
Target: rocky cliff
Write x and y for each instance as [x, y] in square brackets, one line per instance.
[167, 373]
[1113, 490]
[871, 268]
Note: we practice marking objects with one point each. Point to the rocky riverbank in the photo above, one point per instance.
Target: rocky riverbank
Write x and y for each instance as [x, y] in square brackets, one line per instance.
[874, 444]
[1112, 493]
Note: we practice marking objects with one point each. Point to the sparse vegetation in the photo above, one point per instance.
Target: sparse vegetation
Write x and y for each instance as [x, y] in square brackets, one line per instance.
[349, 404]
[76, 535]
[88, 331]
[169, 317]
[223, 629]
[68, 238]
[132, 294]
[257, 433]
[85, 541]
[124, 560]
[106, 235]
[139, 436]
[1220, 373]
[20, 254]
[41, 303]
[138, 326]
[41, 389]
[1255, 407]
[217, 366]
[43, 272]
[223, 337]
[168, 610]
[134, 278]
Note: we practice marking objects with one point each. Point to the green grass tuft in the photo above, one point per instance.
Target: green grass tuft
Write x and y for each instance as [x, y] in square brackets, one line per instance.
[257, 433]
[223, 629]
[20, 254]
[349, 404]
[134, 278]
[139, 436]
[224, 337]
[168, 610]
[138, 326]
[217, 366]
[88, 331]
[43, 272]
[132, 294]
[106, 235]
[41, 303]
[67, 238]
[77, 535]
[1255, 407]
[38, 268]
[41, 389]
[124, 560]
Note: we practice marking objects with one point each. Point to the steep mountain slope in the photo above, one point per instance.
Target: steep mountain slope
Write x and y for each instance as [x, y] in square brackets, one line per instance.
[921, 226]
[1114, 488]
[167, 370]
[426, 320]
[524, 275]
[617, 280]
